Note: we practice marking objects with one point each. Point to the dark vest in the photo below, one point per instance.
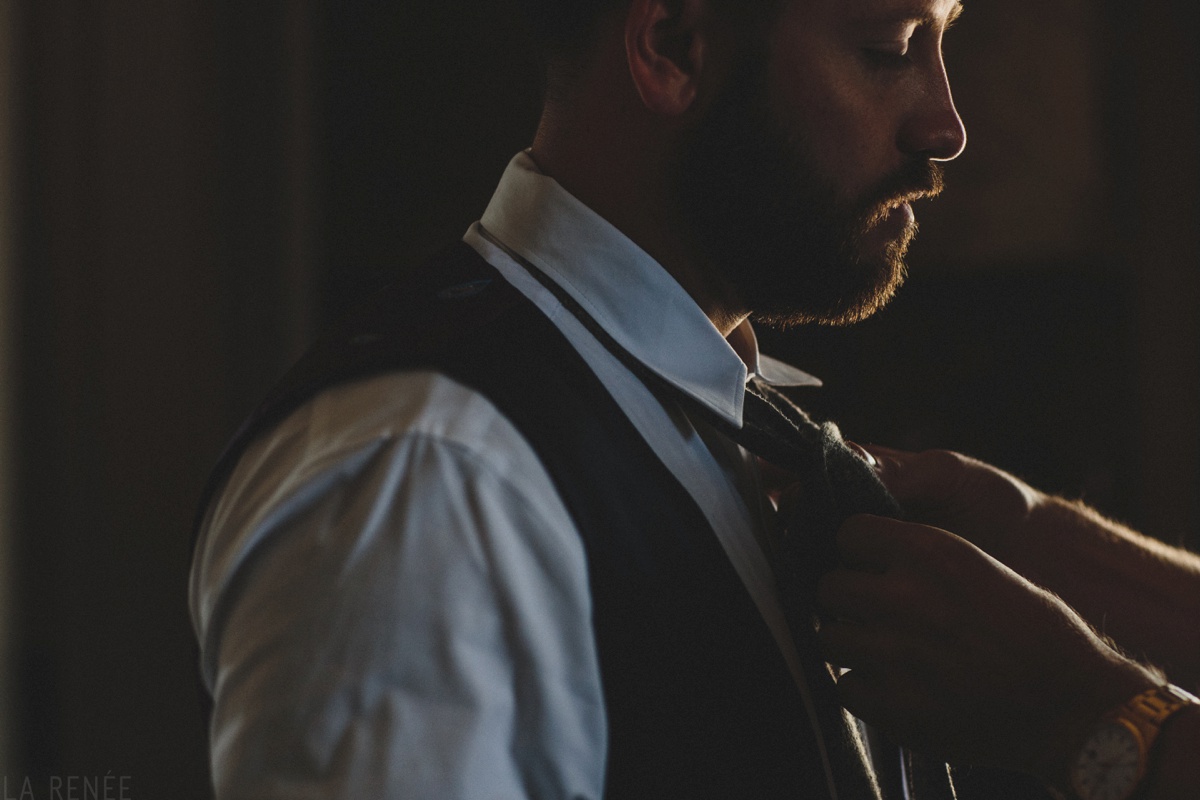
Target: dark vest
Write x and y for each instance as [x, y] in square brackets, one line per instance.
[699, 701]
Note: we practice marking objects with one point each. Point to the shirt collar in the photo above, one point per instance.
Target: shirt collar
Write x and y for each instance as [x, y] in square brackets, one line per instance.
[628, 293]
[770, 371]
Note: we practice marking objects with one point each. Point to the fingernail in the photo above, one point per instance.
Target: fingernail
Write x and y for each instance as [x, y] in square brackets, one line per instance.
[862, 453]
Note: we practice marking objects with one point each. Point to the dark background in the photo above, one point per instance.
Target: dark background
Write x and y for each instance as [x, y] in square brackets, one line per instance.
[193, 186]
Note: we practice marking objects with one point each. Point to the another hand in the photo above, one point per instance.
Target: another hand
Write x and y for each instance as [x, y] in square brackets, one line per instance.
[953, 654]
[976, 501]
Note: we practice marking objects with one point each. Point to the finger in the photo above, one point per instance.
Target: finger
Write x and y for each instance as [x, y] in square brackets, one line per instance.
[877, 450]
[851, 645]
[862, 453]
[885, 460]
[867, 542]
[853, 595]
[925, 478]
[879, 649]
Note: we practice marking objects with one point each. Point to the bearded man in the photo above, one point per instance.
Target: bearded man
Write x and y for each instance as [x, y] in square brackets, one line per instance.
[501, 535]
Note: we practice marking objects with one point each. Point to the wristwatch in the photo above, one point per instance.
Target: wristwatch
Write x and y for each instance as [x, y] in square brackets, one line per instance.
[1112, 762]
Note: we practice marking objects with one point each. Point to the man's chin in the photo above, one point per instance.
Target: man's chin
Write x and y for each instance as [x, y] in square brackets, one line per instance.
[877, 281]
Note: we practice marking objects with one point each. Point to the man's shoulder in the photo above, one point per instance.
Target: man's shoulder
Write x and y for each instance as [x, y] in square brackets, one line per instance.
[432, 316]
[387, 410]
[412, 322]
[376, 441]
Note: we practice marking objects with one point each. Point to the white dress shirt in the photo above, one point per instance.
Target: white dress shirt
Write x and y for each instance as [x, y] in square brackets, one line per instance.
[390, 597]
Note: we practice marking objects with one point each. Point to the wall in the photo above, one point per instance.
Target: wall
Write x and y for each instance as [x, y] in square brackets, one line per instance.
[165, 271]
[8, 324]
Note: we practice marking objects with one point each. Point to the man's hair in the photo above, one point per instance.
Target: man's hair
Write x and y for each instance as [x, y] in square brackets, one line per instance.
[563, 30]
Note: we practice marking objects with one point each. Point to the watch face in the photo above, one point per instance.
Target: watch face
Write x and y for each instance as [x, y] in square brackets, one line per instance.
[1107, 767]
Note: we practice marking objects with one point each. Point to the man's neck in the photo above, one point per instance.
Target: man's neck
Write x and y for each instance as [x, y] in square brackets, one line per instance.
[616, 180]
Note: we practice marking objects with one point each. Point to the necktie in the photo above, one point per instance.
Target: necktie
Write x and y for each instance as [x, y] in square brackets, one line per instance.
[832, 482]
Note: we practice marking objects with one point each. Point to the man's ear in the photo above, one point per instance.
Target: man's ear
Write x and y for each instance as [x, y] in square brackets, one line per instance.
[666, 47]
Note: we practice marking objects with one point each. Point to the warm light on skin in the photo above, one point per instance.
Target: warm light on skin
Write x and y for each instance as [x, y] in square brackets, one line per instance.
[841, 128]
[867, 80]
[858, 91]
[934, 15]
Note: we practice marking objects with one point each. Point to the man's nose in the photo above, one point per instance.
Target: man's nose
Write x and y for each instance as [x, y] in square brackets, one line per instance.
[934, 130]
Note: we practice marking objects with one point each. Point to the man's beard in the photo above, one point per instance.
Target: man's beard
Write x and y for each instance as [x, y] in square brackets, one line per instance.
[789, 248]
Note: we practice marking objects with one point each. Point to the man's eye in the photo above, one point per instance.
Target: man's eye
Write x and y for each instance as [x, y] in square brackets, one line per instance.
[888, 55]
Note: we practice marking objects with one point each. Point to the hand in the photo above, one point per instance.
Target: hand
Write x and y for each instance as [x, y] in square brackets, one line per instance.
[953, 654]
[775, 480]
[981, 503]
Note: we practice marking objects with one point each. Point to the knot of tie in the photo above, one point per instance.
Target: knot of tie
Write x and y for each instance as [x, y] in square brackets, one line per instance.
[830, 482]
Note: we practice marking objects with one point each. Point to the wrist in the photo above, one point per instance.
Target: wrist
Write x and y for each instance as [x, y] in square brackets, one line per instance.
[1118, 758]
[1104, 690]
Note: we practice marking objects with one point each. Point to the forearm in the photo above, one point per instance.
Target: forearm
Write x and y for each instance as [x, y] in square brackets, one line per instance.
[1143, 594]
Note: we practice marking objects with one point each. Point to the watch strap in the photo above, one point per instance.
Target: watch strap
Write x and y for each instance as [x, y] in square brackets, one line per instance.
[1144, 715]
[1154, 706]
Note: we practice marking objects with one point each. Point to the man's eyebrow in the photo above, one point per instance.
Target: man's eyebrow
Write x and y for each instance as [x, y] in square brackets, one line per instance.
[918, 15]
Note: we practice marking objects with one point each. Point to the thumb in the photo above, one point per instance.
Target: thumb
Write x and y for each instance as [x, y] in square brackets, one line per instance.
[920, 479]
[869, 543]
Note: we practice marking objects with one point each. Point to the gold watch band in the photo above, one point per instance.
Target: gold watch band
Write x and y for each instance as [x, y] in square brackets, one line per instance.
[1153, 706]
[1143, 716]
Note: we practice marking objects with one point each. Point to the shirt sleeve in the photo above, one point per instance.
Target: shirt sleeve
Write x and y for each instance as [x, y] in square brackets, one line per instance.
[397, 607]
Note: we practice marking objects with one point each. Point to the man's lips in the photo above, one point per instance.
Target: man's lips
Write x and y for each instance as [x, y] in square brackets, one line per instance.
[896, 196]
[920, 180]
[897, 211]
[907, 199]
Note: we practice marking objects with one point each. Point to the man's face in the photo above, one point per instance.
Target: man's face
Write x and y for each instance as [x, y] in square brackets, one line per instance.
[796, 183]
